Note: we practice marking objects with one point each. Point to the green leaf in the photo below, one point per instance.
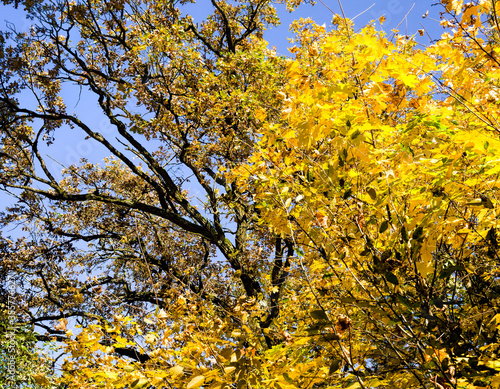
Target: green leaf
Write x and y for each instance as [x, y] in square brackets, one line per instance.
[319, 315]
[417, 234]
[403, 300]
[445, 273]
[384, 226]
[488, 204]
[391, 278]
[348, 300]
[365, 252]
[355, 134]
[404, 235]
[287, 378]
[437, 303]
[335, 365]
[330, 336]
[386, 255]
[372, 193]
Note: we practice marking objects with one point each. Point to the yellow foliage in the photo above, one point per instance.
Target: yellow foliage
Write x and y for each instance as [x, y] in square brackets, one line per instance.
[343, 232]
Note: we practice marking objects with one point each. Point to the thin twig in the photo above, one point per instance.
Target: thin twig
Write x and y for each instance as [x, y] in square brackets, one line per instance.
[361, 13]
[402, 20]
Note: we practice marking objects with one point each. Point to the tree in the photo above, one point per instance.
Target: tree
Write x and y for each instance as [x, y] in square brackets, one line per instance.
[342, 230]
[383, 171]
[141, 282]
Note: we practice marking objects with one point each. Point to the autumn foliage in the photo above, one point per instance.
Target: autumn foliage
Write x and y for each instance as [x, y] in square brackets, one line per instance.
[322, 221]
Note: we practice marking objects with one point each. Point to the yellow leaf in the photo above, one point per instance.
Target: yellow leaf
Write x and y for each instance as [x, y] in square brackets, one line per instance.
[493, 364]
[196, 382]
[425, 265]
[139, 383]
[424, 268]
[150, 338]
[176, 370]
[40, 379]
[260, 114]
[62, 325]
[111, 375]
[78, 298]
[162, 315]
[409, 80]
